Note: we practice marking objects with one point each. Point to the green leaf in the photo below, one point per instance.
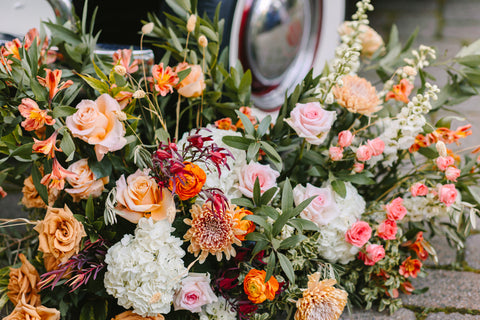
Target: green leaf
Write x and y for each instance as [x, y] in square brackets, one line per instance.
[270, 266]
[38, 90]
[247, 124]
[175, 42]
[268, 195]
[183, 74]
[474, 193]
[359, 178]
[292, 241]
[272, 154]
[301, 206]
[41, 189]
[67, 145]
[303, 224]
[256, 192]
[262, 222]
[287, 196]
[429, 152]
[209, 33]
[100, 169]
[62, 33]
[253, 151]
[287, 267]
[99, 72]
[96, 84]
[340, 188]
[263, 126]
[269, 211]
[256, 236]
[259, 246]
[63, 111]
[24, 151]
[237, 142]
[242, 202]
[446, 122]
[90, 210]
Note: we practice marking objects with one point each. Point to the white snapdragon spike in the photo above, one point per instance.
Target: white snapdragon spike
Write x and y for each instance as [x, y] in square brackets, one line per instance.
[218, 310]
[145, 270]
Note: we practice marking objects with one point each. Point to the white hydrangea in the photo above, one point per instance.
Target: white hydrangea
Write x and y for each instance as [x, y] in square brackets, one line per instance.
[331, 241]
[228, 181]
[143, 271]
[218, 310]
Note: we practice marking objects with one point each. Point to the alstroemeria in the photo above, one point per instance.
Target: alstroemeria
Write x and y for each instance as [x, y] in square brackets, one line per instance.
[36, 118]
[401, 91]
[56, 179]
[47, 147]
[165, 79]
[11, 48]
[52, 82]
[123, 58]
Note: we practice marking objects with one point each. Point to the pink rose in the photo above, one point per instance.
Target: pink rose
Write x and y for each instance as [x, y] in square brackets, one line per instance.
[419, 189]
[195, 292]
[376, 146]
[452, 173]
[322, 209]
[336, 153]
[372, 255]
[358, 234]
[364, 153]
[311, 121]
[444, 162]
[447, 194]
[267, 177]
[358, 167]
[387, 230]
[96, 122]
[395, 209]
[345, 138]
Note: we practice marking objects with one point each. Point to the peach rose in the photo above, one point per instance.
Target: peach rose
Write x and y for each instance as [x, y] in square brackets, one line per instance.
[23, 282]
[257, 289]
[373, 254]
[25, 311]
[60, 233]
[193, 182]
[130, 315]
[358, 234]
[31, 198]
[194, 293]
[50, 262]
[267, 177]
[387, 230]
[419, 189]
[84, 184]
[140, 196]
[358, 167]
[447, 194]
[96, 122]
[395, 209]
[191, 86]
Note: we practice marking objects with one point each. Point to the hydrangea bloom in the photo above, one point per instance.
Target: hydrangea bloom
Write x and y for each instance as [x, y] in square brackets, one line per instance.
[218, 310]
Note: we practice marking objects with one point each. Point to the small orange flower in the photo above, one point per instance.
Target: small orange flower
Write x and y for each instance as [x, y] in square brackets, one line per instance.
[357, 95]
[123, 57]
[52, 81]
[12, 48]
[123, 98]
[418, 246]
[257, 289]
[165, 79]
[410, 267]
[248, 112]
[245, 225]
[3, 193]
[225, 124]
[47, 147]
[36, 118]
[401, 91]
[57, 176]
[463, 131]
[192, 182]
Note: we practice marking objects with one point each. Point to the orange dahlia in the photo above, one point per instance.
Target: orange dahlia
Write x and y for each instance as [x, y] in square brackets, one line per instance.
[212, 232]
[357, 95]
[321, 301]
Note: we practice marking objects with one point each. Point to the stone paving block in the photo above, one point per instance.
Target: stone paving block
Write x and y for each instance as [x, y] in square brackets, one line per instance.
[447, 289]
[401, 314]
[451, 316]
[446, 254]
[472, 254]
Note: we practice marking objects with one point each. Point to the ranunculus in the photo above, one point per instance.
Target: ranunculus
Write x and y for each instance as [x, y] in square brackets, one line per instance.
[387, 230]
[452, 173]
[336, 153]
[84, 184]
[257, 289]
[322, 209]
[444, 162]
[376, 146]
[140, 196]
[311, 121]
[267, 177]
[60, 233]
[395, 209]
[25, 311]
[419, 189]
[130, 315]
[96, 122]
[245, 225]
[372, 254]
[410, 267]
[364, 153]
[345, 138]
[447, 194]
[192, 183]
[358, 234]
[194, 293]
[23, 282]
[191, 86]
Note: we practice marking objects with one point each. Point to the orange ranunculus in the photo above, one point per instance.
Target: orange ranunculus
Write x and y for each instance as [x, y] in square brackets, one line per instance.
[23, 282]
[400, 92]
[192, 183]
[193, 84]
[410, 267]
[257, 289]
[245, 225]
[35, 118]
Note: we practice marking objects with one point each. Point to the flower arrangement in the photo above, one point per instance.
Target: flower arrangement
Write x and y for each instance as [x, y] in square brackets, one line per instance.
[155, 186]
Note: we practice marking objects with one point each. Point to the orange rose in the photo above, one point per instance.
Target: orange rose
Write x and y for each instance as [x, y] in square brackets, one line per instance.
[23, 282]
[256, 289]
[84, 184]
[245, 225]
[193, 182]
[140, 196]
[31, 198]
[130, 315]
[193, 84]
[25, 311]
[60, 233]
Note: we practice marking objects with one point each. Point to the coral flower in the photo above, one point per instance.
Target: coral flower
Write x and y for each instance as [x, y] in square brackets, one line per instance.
[191, 183]
[321, 301]
[165, 79]
[245, 225]
[47, 147]
[418, 246]
[36, 118]
[57, 176]
[357, 95]
[12, 48]
[212, 232]
[123, 57]
[52, 81]
[248, 112]
[257, 289]
[410, 267]
[401, 91]
[225, 124]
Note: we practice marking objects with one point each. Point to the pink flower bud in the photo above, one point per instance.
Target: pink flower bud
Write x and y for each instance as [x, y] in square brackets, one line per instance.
[364, 153]
[336, 153]
[345, 138]
[387, 230]
[358, 167]
[373, 254]
[419, 189]
[444, 162]
[452, 173]
[447, 194]
[376, 145]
